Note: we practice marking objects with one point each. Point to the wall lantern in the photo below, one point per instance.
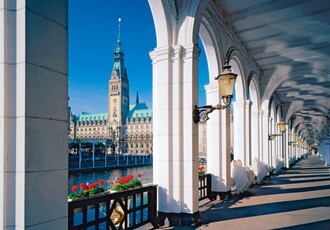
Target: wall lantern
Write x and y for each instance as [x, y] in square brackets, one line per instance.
[226, 82]
[282, 128]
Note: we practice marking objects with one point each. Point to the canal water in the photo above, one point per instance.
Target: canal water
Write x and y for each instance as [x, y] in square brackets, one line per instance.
[109, 175]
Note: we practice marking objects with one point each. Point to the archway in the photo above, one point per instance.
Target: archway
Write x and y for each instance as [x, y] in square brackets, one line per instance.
[254, 96]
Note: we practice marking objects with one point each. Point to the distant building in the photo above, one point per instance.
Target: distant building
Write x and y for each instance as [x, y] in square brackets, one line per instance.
[127, 126]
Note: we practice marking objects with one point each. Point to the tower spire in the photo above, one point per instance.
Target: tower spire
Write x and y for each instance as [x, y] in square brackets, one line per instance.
[119, 19]
[118, 41]
[137, 97]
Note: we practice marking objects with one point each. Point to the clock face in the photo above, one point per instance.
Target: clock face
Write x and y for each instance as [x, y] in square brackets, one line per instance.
[114, 101]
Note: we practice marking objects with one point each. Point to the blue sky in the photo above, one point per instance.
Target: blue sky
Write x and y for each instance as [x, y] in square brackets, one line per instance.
[93, 31]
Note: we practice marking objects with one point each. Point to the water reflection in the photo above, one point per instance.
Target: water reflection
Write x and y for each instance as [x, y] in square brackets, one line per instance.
[109, 175]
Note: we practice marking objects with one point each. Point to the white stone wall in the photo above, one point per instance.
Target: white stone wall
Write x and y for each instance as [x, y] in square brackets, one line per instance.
[33, 114]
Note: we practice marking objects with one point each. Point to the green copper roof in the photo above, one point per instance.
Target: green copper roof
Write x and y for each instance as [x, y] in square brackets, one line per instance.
[92, 116]
[139, 110]
[141, 113]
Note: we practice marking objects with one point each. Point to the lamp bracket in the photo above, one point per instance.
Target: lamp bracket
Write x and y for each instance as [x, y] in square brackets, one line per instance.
[271, 137]
[200, 113]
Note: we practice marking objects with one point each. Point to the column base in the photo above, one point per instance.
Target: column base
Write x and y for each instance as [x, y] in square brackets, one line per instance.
[223, 195]
[180, 219]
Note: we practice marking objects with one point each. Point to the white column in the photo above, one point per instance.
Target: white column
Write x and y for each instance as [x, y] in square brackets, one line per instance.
[242, 125]
[260, 136]
[33, 115]
[271, 143]
[295, 155]
[265, 133]
[174, 132]
[248, 105]
[218, 142]
[255, 145]
[285, 147]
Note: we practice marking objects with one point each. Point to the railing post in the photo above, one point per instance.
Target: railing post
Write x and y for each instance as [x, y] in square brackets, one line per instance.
[152, 211]
[209, 186]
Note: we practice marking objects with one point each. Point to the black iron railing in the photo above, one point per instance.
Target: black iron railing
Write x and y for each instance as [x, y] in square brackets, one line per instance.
[118, 210]
[204, 186]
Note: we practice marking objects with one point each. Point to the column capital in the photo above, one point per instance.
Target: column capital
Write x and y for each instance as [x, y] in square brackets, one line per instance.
[242, 103]
[160, 54]
[191, 51]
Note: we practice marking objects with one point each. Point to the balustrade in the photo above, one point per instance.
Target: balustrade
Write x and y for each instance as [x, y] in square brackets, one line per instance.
[118, 210]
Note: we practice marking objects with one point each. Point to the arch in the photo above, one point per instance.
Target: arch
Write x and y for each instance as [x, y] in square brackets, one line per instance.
[275, 81]
[210, 45]
[272, 110]
[297, 106]
[181, 27]
[254, 90]
[254, 93]
[240, 86]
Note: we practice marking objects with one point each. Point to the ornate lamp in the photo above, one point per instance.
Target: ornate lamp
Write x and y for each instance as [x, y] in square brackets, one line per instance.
[282, 128]
[226, 81]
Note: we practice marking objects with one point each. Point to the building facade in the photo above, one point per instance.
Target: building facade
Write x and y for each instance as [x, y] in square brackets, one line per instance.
[127, 127]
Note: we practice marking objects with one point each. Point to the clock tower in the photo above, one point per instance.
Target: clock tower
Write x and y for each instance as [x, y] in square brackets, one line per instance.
[118, 96]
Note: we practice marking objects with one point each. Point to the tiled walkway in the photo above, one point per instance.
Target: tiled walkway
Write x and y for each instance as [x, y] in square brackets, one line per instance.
[298, 198]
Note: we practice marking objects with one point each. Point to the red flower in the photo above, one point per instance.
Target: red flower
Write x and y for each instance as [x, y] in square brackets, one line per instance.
[101, 182]
[112, 183]
[139, 175]
[121, 181]
[130, 176]
[90, 186]
[74, 188]
[82, 186]
[202, 167]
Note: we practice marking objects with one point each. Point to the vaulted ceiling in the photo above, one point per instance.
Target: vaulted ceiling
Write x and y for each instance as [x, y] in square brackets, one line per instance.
[289, 40]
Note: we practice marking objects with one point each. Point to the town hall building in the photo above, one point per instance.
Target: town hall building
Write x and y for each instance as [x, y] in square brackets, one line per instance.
[125, 128]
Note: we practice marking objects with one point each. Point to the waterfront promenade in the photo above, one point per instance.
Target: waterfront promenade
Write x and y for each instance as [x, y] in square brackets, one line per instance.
[77, 163]
[298, 198]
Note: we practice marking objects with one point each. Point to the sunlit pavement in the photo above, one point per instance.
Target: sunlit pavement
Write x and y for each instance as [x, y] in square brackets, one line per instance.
[298, 198]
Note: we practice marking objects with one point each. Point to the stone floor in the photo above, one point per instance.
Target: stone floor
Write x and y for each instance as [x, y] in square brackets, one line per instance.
[298, 198]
